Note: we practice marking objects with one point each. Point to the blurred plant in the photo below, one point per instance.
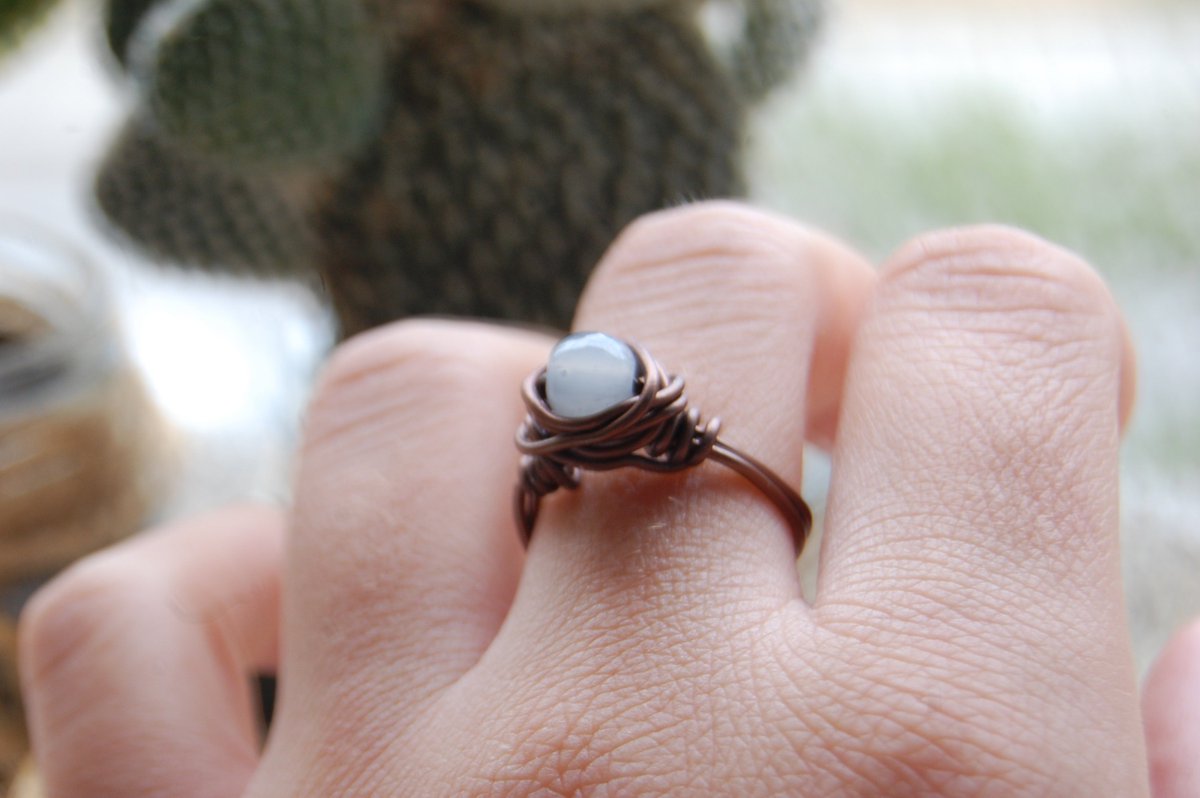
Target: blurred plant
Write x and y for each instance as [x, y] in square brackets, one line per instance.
[19, 16]
[183, 208]
[417, 156]
[260, 82]
[121, 18]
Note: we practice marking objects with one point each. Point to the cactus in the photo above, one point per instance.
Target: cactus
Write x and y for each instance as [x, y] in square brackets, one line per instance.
[776, 37]
[470, 158]
[17, 17]
[186, 210]
[519, 147]
[261, 81]
[121, 19]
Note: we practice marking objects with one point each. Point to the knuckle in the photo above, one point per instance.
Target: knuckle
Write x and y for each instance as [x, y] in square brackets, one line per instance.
[716, 242]
[992, 267]
[403, 347]
[719, 264]
[406, 369]
[669, 223]
[1009, 319]
[80, 608]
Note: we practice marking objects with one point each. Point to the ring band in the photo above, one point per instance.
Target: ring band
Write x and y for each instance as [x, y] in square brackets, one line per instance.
[596, 423]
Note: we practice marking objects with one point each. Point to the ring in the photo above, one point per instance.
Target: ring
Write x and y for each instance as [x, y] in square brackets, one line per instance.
[600, 404]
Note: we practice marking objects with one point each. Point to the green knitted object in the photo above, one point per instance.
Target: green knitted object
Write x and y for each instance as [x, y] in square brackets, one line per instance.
[121, 19]
[776, 38]
[515, 149]
[261, 81]
[185, 210]
[487, 152]
[17, 17]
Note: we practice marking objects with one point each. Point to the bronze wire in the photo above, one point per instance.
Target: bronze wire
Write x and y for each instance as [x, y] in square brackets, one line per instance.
[654, 430]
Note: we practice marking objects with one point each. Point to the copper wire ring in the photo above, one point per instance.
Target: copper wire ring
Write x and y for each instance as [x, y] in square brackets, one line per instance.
[653, 430]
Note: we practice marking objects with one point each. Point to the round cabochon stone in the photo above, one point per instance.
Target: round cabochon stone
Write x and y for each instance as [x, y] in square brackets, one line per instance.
[588, 373]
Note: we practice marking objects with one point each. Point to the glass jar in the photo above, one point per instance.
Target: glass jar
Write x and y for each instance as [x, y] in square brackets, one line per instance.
[80, 442]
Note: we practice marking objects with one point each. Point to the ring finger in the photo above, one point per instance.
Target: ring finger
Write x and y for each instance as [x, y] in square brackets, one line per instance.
[746, 306]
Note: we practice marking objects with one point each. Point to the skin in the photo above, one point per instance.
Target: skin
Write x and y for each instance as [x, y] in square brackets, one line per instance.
[968, 634]
[1171, 701]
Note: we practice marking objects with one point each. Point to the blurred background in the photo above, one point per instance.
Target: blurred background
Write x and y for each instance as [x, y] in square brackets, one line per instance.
[168, 387]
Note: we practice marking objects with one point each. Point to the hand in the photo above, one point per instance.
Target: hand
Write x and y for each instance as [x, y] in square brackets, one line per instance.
[967, 637]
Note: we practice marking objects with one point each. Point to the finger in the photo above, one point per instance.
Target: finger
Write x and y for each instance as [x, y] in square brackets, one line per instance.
[973, 504]
[981, 415]
[745, 306]
[135, 662]
[1171, 707]
[404, 556]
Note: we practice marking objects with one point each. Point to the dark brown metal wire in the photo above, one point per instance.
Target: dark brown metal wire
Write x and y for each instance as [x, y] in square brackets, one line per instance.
[654, 430]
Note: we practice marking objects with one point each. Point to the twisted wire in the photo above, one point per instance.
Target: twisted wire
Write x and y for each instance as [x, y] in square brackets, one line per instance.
[653, 430]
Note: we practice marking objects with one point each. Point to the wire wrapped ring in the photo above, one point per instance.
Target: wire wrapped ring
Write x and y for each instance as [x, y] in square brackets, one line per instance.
[653, 429]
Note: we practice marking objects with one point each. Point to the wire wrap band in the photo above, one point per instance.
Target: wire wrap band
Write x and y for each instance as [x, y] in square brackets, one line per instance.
[653, 430]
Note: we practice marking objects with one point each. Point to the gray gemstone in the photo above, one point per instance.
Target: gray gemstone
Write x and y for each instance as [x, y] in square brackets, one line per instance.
[588, 373]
